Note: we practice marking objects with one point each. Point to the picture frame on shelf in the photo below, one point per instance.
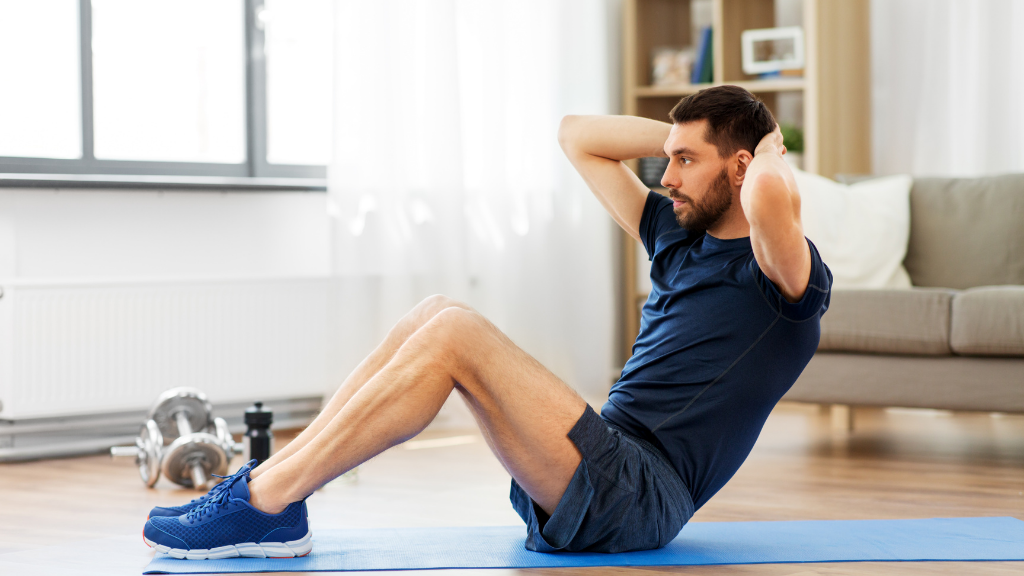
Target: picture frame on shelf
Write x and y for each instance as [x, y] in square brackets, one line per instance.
[768, 50]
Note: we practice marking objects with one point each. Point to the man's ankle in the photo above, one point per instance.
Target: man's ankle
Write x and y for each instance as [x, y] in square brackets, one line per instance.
[266, 503]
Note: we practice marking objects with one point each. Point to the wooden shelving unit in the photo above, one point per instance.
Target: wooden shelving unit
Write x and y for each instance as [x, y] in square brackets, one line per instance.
[835, 88]
[757, 86]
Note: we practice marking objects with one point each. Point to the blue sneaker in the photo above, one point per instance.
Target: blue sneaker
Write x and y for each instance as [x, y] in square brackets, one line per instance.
[186, 508]
[227, 526]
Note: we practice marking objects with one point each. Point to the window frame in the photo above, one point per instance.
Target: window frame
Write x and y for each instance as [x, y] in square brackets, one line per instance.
[255, 166]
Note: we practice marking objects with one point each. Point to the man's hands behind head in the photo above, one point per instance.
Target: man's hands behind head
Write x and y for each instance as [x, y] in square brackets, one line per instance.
[771, 142]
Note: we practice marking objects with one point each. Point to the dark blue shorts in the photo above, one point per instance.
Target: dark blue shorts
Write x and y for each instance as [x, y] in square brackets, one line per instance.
[624, 496]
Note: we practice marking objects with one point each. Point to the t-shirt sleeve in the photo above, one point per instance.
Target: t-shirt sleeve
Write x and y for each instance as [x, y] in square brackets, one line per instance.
[816, 297]
[657, 219]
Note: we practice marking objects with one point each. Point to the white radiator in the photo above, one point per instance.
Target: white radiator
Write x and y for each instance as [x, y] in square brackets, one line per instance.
[74, 348]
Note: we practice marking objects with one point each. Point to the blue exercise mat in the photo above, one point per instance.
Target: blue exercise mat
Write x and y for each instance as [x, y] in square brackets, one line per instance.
[699, 543]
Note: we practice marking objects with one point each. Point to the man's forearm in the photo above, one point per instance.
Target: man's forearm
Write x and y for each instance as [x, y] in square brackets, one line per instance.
[773, 176]
[771, 204]
[613, 137]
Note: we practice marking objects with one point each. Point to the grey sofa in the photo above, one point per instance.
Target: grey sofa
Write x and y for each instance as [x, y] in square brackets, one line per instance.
[954, 341]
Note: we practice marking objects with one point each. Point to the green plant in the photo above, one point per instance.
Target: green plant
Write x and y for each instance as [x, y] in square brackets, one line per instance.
[792, 137]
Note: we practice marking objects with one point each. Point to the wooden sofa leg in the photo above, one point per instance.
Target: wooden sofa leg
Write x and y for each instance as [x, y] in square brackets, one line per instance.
[842, 417]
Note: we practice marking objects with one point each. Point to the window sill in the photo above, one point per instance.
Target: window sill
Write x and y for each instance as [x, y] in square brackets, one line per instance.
[194, 183]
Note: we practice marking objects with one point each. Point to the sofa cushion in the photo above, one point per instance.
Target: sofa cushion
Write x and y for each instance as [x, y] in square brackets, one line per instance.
[966, 232]
[988, 321]
[860, 230]
[913, 321]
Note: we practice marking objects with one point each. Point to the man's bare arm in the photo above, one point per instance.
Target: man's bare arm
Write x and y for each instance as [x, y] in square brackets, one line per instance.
[597, 145]
[771, 204]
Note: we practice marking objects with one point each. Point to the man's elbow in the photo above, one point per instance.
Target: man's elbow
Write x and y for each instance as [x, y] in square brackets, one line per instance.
[768, 183]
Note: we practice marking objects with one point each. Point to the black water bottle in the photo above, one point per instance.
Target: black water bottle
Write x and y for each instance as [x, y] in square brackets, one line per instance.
[259, 440]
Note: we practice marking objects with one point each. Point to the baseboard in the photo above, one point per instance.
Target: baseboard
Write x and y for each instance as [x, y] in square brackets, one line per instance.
[54, 437]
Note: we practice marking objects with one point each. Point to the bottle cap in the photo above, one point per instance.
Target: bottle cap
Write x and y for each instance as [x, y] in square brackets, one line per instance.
[258, 415]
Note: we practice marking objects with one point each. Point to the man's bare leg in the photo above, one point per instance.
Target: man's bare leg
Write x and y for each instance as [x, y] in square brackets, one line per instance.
[525, 411]
[406, 327]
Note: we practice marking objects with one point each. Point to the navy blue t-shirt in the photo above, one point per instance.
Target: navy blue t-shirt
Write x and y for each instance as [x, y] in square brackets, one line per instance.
[718, 347]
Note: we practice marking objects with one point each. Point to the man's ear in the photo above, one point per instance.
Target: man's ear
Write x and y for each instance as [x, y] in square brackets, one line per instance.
[741, 162]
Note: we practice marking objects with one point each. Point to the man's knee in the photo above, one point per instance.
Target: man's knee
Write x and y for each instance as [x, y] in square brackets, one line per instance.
[443, 341]
[456, 328]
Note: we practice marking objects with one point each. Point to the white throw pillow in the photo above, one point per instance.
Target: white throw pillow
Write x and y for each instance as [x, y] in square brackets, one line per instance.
[861, 230]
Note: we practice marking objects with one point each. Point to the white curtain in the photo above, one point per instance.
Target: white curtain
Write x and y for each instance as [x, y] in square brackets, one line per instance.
[447, 177]
[948, 83]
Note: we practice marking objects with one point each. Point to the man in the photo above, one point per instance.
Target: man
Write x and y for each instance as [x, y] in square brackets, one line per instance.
[730, 323]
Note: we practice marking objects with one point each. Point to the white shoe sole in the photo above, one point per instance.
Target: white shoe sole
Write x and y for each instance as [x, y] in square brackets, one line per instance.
[292, 549]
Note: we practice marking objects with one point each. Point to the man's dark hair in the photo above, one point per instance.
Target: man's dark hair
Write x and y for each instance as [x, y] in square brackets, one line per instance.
[737, 120]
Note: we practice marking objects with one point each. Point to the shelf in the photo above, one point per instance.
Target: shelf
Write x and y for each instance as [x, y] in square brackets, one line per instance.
[754, 86]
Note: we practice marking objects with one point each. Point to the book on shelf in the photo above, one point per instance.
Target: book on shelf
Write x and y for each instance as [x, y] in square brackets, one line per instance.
[703, 64]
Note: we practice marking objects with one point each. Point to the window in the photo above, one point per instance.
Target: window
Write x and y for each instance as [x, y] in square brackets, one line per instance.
[168, 86]
[147, 87]
[40, 102]
[298, 49]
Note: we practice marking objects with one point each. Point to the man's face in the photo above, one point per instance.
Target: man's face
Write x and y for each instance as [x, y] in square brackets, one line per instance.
[697, 178]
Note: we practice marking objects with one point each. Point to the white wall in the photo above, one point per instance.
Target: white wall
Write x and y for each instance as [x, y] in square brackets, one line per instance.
[142, 234]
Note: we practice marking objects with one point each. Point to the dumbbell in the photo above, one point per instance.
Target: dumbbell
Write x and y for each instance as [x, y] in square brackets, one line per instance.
[147, 451]
[194, 454]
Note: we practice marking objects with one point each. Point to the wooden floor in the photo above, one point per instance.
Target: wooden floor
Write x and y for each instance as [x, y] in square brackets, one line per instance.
[84, 515]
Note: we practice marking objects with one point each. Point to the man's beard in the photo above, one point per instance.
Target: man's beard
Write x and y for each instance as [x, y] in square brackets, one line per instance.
[711, 208]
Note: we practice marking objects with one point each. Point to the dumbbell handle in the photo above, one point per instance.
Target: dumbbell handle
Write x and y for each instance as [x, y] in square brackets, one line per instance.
[184, 428]
[198, 477]
[124, 451]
